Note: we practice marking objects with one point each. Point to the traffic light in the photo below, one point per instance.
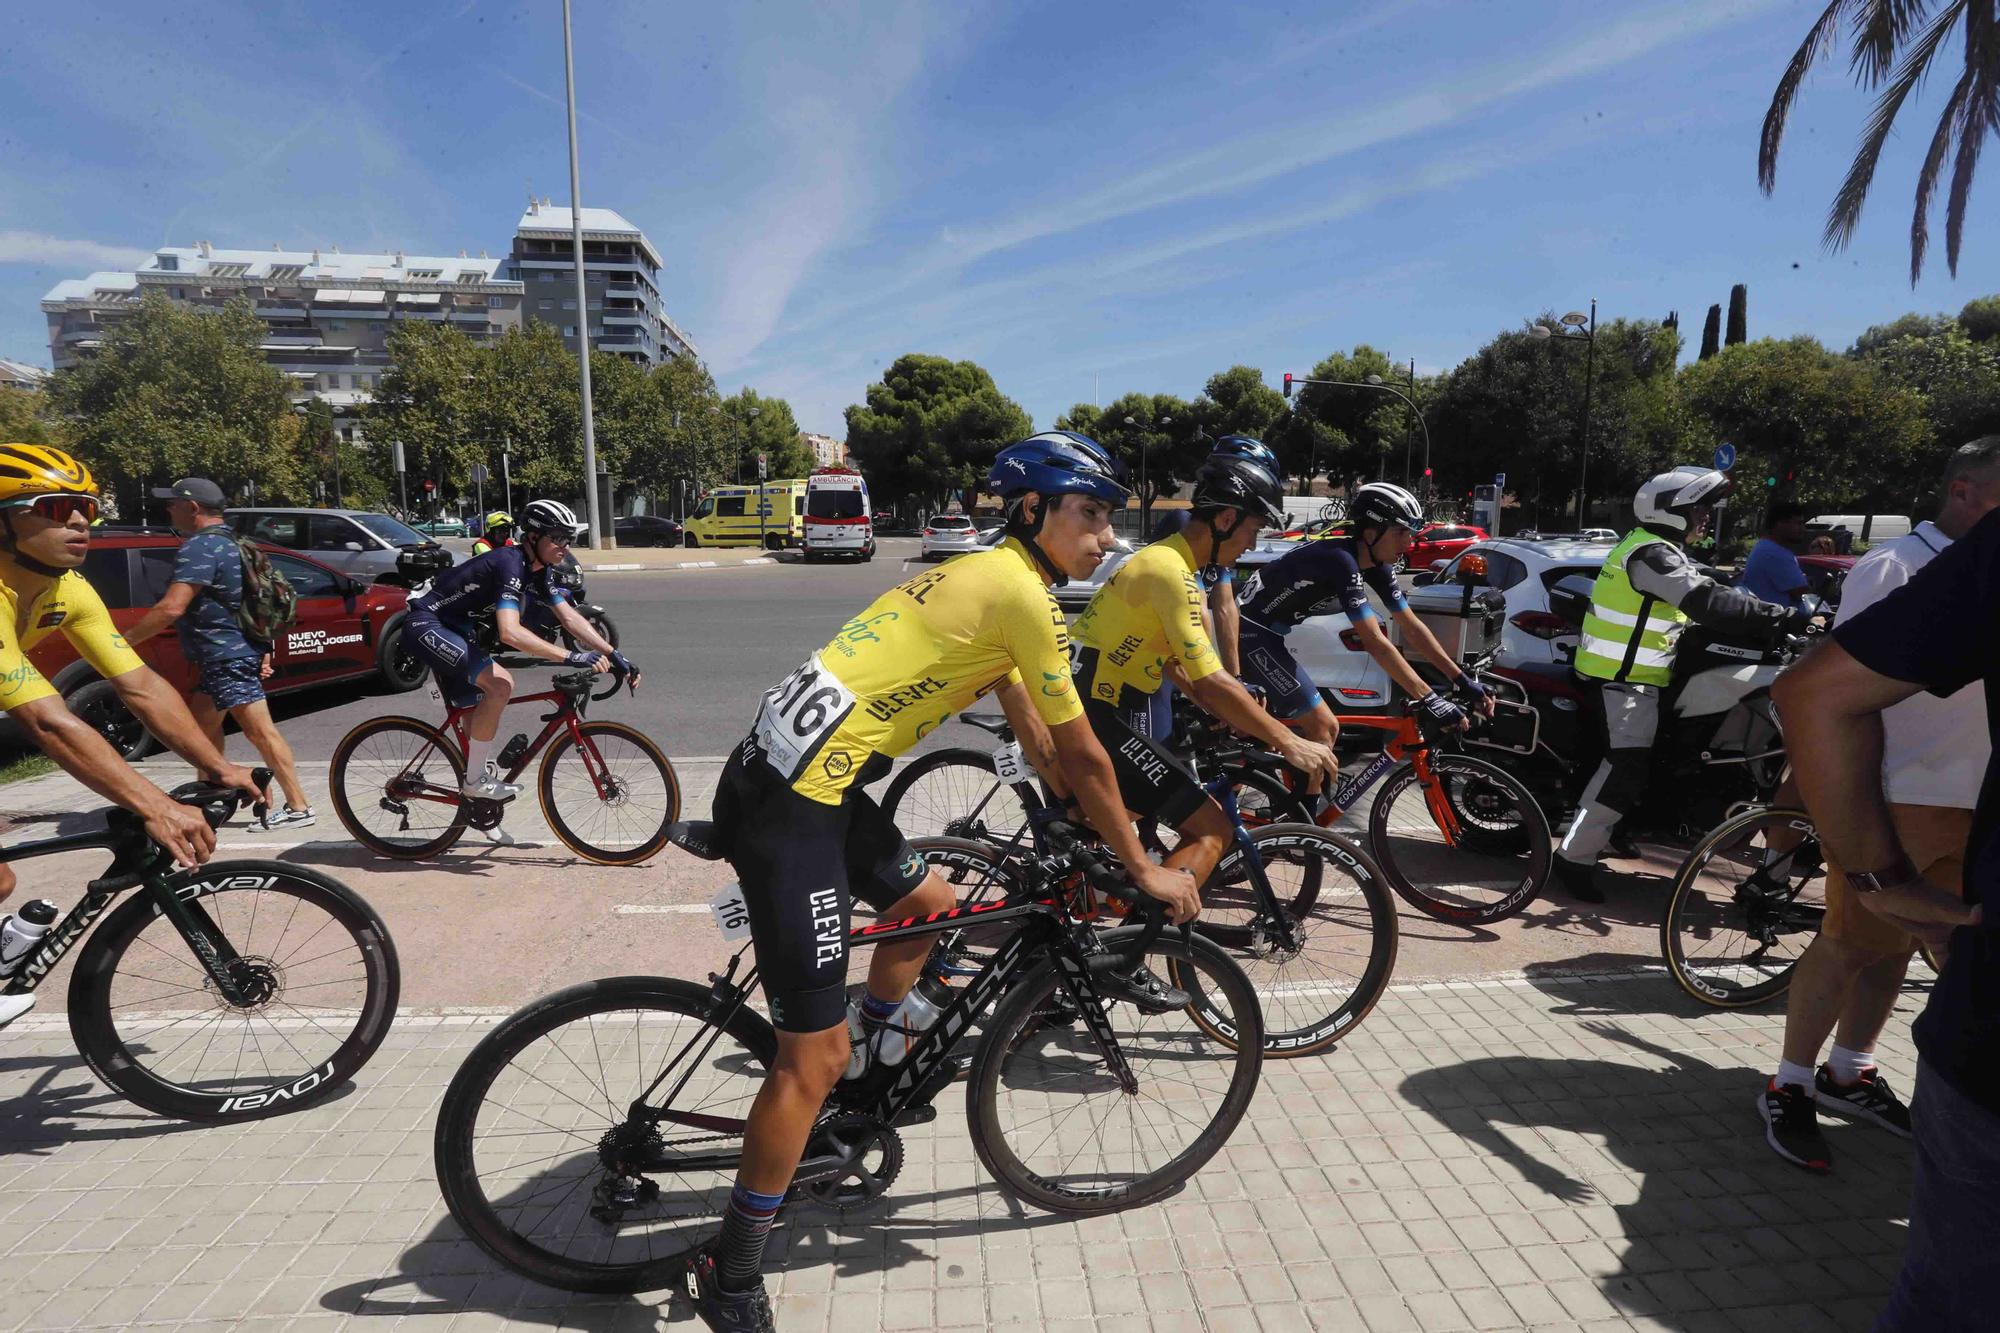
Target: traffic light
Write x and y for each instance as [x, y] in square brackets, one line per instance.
[1770, 481]
[1427, 472]
[1288, 384]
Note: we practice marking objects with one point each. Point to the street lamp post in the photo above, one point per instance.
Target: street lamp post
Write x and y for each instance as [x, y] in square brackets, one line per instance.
[582, 297]
[1579, 327]
[1375, 382]
[1145, 493]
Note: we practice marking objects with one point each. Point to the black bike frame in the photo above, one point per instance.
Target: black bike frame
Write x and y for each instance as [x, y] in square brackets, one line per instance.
[135, 863]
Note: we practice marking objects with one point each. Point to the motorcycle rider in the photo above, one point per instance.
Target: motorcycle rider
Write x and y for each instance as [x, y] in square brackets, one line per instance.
[1648, 592]
[499, 532]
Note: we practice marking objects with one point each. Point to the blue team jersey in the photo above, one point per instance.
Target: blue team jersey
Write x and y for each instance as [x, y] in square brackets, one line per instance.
[1318, 578]
[498, 579]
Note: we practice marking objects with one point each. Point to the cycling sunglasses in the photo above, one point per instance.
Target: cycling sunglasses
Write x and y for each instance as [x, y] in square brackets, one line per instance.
[59, 508]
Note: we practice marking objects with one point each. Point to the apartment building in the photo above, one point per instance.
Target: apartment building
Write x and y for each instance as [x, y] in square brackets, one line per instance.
[623, 308]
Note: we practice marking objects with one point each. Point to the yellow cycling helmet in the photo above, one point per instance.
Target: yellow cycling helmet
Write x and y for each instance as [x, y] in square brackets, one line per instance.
[499, 518]
[28, 470]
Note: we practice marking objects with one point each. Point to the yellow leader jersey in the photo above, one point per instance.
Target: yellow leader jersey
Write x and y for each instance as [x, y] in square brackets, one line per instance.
[1149, 611]
[67, 603]
[918, 654]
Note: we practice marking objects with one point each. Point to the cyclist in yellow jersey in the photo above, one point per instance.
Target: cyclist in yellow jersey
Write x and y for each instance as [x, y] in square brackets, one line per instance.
[802, 835]
[1145, 622]
[47, 502]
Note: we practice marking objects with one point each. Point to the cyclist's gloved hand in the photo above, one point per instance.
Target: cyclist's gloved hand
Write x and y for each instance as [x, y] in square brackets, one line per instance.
[586, 660]
[1442, 711]
[622, 666]
[1476, 691]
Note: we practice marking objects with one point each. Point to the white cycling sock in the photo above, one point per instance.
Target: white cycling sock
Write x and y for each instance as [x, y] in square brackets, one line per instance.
[476, 755]
[1796, 1075]
[1848, 1066]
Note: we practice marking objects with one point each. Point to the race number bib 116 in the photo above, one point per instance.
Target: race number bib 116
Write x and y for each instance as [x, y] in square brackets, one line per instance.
[732, 917]
[798, 713]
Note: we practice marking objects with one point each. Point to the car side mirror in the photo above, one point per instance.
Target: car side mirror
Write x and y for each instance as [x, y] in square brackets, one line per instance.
[1437, 566]
[1423, 580]
[351, 546]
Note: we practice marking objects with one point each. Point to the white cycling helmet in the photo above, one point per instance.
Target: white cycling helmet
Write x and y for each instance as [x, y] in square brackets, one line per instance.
[1666, 501]
[550, 516]
[1382, 504]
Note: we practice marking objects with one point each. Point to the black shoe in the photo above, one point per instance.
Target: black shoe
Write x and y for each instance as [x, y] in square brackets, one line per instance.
[1867, 1098]
[1623, 844]
[1138, 986]
[1580, 881]
[1791, 1126]
[726, 1311]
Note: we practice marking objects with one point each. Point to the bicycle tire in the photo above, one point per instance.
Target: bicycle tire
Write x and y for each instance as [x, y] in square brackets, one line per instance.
[955, 793]
[341, 1040]
[1696, 907]
[649, 836]
[1006, 1059]
[1339, 894]
[456, 1145]
[421, 735]
[1517, 860]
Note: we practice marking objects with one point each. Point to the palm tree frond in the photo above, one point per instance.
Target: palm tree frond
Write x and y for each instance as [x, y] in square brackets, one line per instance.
[1978, 117]
[1927, 178]
[1845, 215]
[1815, 45]
[1878, 31]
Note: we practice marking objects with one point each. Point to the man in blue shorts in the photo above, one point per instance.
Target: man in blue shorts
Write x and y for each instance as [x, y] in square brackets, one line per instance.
[514, 581]
[1336, 574]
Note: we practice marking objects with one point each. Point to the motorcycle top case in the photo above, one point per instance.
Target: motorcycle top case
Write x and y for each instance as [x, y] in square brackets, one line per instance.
[1468, 626]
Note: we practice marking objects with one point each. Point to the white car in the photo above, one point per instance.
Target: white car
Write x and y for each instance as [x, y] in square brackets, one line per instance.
[948, 534]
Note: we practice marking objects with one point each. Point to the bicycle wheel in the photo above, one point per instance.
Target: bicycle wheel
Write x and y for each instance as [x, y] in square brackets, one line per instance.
[955, 793]
[1732, 932]
[395, 784]
[610, 794]
[1503, 855]
[1343, 937]
[319, 966]
[540, 1160]
[1052, 1122]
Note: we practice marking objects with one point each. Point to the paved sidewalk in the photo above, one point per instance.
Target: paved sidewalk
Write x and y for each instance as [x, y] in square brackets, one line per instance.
[1575, 1153]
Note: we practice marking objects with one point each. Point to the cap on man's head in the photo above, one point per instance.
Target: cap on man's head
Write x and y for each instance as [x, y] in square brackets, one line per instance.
[198, 489]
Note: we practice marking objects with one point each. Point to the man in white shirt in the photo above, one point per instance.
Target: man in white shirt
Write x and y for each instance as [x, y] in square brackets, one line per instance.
[1933, 759]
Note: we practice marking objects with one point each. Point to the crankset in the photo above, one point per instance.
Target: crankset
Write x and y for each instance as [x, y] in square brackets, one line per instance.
[851, 1160]
[484, 815]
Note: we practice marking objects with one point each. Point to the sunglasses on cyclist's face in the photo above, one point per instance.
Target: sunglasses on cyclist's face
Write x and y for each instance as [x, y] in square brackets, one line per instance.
[59, 508]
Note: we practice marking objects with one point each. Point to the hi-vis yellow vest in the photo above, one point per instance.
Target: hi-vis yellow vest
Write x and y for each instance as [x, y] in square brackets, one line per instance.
[1628, 635]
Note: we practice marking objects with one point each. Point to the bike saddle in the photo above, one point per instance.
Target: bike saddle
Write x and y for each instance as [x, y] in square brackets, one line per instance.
[985, 722]
[698, 837]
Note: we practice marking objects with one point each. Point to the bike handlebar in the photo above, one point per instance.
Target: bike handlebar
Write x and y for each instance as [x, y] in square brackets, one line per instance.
[218, 804]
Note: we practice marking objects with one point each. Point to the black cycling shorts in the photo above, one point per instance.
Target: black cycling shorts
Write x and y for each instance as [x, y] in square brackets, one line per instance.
[801, 864]
[1269, 665]
[1152, 780]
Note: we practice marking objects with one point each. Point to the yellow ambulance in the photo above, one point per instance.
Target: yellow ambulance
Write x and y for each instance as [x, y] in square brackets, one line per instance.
[770, 514]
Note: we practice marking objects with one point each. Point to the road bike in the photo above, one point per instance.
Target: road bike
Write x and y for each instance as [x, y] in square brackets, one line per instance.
[234, 991]
[1747, 900]
[607, 791]
[592, 1139]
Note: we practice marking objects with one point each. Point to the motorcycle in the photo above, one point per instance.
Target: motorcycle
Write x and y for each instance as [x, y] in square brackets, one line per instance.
[1719, 746]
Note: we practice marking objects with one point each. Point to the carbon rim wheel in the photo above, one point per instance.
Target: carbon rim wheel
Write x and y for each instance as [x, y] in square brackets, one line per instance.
[1735, 928]
[540, 1162]
[322, 979]
[1504, 855]
[395, 784]
[609, 793]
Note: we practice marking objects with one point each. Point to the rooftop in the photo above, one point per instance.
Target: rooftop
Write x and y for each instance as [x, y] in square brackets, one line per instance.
[305, 268]
[21, 373]
[603, 224]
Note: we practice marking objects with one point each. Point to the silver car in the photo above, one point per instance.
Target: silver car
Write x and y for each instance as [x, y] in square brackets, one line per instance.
[360, 544]
[948, 534]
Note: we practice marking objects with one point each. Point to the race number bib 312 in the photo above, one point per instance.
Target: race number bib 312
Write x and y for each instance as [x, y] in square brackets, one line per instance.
[800, 712]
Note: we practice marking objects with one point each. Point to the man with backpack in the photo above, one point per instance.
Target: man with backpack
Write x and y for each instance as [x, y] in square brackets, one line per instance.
[227, 604]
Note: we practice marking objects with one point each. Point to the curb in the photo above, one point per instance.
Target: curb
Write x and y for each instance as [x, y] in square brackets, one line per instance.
[620, 568]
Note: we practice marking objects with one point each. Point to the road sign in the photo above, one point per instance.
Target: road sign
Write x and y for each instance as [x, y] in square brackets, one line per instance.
[1725, 456]
[429, 485]
[397, 445]
[479, 474]
[1500, 480]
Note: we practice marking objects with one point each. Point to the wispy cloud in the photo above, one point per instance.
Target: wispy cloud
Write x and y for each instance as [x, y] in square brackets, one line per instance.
[34, 247]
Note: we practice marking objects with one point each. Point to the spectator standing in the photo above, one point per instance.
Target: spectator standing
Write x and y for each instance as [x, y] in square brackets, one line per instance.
[1934, 755]
[1940, 632]
[1821, 545]
[202, 603]
[1772, 572]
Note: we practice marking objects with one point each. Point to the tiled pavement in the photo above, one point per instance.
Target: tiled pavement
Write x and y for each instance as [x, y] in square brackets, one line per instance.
[1575, 1153]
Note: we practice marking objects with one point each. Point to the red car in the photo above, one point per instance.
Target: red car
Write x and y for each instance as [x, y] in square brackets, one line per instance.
[1825, 574]
[345, 631]
[1440, 541]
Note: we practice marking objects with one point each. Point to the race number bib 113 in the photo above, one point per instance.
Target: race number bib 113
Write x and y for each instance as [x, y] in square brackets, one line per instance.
[798, 713]
[1009, 764]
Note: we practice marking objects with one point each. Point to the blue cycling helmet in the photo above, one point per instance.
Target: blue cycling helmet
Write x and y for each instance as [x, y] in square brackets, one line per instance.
[1244, 446]
[1057, 462]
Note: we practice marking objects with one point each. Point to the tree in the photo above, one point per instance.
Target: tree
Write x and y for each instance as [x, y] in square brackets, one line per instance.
[429, 399]
[1981, 319]
[526, 399]
[757, 424]
[1896, 41]
[1879, 336]
[1362, 425]
[177, 391]
[1711, 333]
[1739, 316]
[930, 428]
[1830, 430]
[24, 418]
[1238, 402]
[1156, 436]
[1956, 379]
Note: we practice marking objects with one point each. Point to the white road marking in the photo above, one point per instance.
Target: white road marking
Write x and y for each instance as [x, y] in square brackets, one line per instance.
[658, 909]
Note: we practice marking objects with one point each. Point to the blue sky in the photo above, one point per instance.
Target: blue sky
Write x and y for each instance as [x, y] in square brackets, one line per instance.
[1087, 198]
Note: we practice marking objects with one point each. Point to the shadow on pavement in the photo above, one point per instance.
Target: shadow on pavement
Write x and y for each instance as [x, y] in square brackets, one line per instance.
[66, 1104]
[1605, 983]
[1695, 1210]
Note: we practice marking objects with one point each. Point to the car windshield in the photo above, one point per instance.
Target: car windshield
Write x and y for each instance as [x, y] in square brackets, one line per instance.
[834, 504]
[389, 530]
[943, 521]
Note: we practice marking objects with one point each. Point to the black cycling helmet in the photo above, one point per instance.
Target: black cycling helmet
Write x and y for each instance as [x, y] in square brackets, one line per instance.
[1382, 504]
[1231, 481]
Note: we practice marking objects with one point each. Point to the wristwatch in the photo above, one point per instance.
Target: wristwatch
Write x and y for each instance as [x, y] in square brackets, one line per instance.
[1893, 876]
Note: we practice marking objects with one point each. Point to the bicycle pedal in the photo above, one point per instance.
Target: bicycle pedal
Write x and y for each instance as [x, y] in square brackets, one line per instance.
[915, 1115]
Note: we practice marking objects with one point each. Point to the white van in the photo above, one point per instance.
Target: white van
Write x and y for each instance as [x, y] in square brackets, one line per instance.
[1882, 527]
[838, 519]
